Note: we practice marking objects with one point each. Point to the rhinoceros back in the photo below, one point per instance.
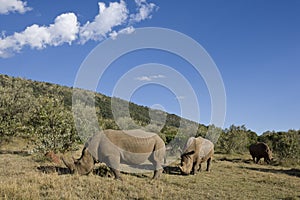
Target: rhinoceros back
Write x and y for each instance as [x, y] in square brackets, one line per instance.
[202, 147]
[259, 149]
[206, 148]
[132, 146]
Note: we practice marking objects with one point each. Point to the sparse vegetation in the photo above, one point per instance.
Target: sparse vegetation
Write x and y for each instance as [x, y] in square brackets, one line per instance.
[286, 146]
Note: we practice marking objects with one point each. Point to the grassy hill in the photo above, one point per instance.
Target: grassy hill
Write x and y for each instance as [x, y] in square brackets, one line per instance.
[42, 113]
[36, 117]
[28, 106]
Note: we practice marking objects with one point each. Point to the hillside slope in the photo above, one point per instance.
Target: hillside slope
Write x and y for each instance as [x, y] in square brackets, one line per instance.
[39, 110]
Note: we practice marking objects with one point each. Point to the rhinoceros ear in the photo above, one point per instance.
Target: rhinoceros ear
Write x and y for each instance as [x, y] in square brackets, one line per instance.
[191, 153]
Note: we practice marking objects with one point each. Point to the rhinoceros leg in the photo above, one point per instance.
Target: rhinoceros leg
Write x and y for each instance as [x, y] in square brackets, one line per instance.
[113, 163]
[157, 166]
[156, 158]
[116, 173]
[267, 160]
[157, 173]
[257, 159]
[196, 166]
[194, 169]
[253, 158]
[208, 164]
[199, 169]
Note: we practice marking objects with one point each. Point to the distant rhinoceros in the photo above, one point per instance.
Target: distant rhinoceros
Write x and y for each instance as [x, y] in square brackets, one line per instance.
[260, 150]
[112, 147]
[197, 150]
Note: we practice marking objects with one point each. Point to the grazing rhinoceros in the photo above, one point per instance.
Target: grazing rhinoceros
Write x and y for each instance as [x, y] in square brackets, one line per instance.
[260, 150]
[132, 147]
[197, 150]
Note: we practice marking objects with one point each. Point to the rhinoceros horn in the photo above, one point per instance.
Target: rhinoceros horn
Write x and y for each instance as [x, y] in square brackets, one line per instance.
[181, 169]
[69, 165]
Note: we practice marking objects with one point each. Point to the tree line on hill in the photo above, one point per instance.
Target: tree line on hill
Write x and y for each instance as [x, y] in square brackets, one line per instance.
[42, 112]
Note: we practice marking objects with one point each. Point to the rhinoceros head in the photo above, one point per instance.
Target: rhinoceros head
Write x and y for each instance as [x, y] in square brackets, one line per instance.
[270, 156]
[83, 166]
[186, 163]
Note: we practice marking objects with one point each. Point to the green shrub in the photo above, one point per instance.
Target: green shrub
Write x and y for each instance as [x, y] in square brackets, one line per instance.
[53, 126]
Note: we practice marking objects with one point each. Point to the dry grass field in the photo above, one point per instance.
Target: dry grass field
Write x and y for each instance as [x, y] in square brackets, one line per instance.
[232, 177]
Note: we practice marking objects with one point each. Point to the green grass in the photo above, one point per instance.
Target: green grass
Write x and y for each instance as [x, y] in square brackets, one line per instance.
[232, 177]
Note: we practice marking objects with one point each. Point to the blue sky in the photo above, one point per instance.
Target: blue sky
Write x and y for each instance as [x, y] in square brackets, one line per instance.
[255, 45]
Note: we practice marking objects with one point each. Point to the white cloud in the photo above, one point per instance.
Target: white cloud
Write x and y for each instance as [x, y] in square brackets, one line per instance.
[144, 11]
[64, 30]
[127, 30]
[111, 21]
[150, 78]
[7, 6]
[113, 15]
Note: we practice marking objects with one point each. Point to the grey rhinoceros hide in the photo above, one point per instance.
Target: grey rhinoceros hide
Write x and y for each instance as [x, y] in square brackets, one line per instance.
[205, 148]
[132, 147]
[196, 151]
[200, 145]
